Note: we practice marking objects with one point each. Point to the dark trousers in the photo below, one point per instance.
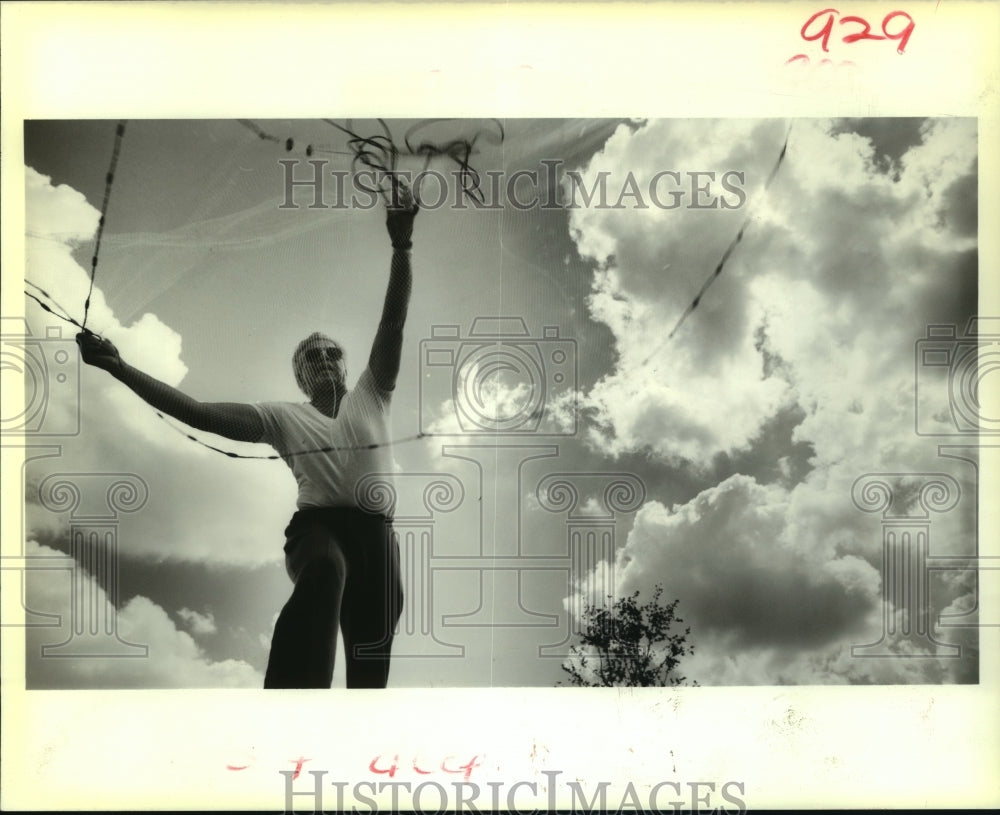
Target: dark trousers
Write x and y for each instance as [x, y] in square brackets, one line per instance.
[345, 566]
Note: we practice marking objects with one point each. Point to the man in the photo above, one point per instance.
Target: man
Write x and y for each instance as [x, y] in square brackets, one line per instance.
[343, 561]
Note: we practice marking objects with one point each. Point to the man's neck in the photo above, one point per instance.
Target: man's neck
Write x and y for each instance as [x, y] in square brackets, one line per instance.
[327, 403]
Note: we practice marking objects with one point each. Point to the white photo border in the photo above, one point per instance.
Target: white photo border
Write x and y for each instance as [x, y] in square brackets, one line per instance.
[789, 746]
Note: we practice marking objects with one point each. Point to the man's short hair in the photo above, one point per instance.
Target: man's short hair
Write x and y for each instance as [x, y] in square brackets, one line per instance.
[298, 357]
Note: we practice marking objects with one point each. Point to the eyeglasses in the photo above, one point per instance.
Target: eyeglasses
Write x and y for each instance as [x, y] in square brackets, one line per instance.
[331, 352]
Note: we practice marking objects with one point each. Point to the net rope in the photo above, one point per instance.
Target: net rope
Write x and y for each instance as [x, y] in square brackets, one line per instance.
[721, 265]
[378, 154]
[109, 181]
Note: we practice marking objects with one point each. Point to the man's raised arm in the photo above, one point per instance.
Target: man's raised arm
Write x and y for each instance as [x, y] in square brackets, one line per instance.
[388, 345]
[233, 420]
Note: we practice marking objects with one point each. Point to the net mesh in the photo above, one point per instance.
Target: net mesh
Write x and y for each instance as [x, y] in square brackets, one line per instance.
[247, 194]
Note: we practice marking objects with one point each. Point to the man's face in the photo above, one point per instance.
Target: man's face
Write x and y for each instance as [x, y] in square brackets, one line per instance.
[322, 366]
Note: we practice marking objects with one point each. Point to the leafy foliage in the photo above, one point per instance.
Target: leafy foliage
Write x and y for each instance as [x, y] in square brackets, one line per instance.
[627, 645]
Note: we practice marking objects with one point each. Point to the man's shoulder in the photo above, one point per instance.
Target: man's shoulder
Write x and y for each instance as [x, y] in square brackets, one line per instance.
[281, 408]
[281, 404]
[367, 386]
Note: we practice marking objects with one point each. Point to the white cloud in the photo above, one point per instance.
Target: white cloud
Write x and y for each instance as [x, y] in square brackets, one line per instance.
[57, 219]
[197, 622]
[174, 659]
[119, 433]
[820, 307]
[834, 279]
[728, 556]
[652, 262]
[60, 214]
[769, 600]
[489, 398]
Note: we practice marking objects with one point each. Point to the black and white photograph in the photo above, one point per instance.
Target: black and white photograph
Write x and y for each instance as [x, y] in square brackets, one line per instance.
[709, 356]
[358, 410]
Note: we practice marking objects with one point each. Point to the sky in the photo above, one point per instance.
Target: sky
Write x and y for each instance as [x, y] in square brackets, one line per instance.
[718, 462]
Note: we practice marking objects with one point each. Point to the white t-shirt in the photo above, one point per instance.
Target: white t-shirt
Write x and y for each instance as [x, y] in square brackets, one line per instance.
[329, 479]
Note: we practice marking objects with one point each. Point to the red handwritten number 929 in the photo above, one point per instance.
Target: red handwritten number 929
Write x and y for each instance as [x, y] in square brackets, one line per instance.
[826, 29]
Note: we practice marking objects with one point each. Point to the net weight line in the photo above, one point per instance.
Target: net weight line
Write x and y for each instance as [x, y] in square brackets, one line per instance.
[109, 181]
[725, 257]
[51, 309]
[378, 153]
[296, 454]
[62, 314]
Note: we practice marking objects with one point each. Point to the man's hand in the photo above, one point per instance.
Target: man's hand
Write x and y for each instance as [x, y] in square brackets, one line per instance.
[99, 352]
[400, 214]
[230, 419]
[387, 348]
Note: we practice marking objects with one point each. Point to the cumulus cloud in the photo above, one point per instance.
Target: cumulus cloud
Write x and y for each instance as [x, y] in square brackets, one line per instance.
[197, 622]
[491, 394]
[57, 220]
[838, 262]
[57, 213]
[727, 551]
[845, 264]
[117, 431]
[174, 659]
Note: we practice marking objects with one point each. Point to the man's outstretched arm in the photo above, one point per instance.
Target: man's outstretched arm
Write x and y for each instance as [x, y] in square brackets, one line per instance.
[388, 345]
[233, 420]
